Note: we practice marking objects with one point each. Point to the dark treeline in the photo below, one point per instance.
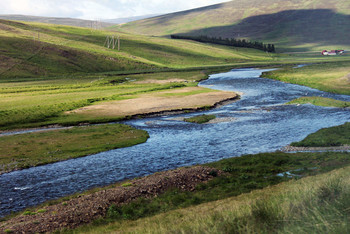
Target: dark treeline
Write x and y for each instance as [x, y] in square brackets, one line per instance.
[229, 42]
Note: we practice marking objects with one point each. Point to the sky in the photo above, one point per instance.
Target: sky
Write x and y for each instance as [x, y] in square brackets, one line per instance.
[99, 9]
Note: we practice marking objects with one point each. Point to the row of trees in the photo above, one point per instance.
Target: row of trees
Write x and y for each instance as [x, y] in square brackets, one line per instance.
[229, 42]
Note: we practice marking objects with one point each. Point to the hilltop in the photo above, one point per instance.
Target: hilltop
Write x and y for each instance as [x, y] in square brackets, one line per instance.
[57, 20]
[291, 25]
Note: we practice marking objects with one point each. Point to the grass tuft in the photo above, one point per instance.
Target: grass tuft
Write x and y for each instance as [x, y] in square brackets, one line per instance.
[200, 119]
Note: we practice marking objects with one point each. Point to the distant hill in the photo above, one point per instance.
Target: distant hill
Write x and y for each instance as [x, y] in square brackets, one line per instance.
[43, 50]
[56, 20]
[128, 19]
[291, 25]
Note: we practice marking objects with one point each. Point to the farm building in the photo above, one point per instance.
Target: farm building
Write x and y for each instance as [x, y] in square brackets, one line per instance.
[332, 52]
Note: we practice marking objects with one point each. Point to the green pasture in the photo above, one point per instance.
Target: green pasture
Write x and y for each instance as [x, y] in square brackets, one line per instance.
[39, 102]
[66, 50]
[330, 77]
[334, 136]
[320, 101]
[33, 149]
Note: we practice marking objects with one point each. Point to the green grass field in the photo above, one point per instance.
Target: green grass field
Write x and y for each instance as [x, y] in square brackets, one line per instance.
[330, 77]
[33, 149]
[37, 102]
[66, 50]
[334, 136]
[320, 101]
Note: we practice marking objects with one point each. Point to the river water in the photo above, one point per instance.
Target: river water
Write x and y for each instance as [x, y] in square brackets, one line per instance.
[259, 122]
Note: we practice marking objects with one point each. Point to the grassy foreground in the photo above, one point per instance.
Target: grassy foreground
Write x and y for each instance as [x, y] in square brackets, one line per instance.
[317, 204]
[33, 149]
[334, 136]
[243, 175]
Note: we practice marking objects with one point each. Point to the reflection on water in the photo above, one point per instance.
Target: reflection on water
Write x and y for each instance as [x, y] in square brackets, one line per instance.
[258, 123]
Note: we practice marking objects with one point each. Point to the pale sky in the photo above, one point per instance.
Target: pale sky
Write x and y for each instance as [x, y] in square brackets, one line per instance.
[98, 9]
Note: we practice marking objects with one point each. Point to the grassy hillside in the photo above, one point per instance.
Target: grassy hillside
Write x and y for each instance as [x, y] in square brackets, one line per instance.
[291, 25]
[64, 49]
[58, 20]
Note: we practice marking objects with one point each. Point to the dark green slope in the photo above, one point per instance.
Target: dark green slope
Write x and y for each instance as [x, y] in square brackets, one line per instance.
[288, 23]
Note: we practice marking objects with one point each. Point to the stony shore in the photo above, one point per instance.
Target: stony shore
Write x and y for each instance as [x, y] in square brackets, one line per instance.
[86, 208]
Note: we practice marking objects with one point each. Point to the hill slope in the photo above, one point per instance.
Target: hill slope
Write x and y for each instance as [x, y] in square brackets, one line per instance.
[57, 20]
[288, 24]
[61, 49]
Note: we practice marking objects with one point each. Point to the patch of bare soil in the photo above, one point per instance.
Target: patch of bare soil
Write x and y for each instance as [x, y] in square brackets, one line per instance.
[159, 102]
[161, 81]
[86, 208]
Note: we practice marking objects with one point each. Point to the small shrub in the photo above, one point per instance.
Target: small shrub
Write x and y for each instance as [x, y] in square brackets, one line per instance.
[29, 213]
[213, 173]
[200, 119]
[127, 185]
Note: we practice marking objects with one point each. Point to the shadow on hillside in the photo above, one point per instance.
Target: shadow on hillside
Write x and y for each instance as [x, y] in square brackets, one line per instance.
[164, 19]
[288, 28]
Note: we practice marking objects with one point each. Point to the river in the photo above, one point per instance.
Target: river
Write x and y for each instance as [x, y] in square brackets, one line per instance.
[259, 122]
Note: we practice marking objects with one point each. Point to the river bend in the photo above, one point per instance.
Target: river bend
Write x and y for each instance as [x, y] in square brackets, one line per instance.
[259, 122]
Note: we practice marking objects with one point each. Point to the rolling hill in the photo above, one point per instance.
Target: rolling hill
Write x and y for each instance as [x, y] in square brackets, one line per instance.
[292, 25]
[128, 19]
[58, 21]
[36, 50]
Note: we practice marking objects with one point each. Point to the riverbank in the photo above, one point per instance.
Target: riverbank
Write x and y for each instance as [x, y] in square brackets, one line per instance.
[331, 77]
[40, 148]
[169, 190]
[87, 208]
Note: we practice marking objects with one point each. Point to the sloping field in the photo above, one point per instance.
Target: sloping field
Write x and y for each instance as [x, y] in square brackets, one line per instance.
[33, 49]
[288, 24]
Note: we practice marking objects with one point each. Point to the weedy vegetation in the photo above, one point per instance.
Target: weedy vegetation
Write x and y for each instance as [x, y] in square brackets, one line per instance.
[259, 210]
[200, 119]
[33, 149]
[326, 137]
[320, 101]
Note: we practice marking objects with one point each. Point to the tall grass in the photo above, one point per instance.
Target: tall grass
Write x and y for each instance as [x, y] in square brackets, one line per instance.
[244, 175]
[330, 77]
[318, 204]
